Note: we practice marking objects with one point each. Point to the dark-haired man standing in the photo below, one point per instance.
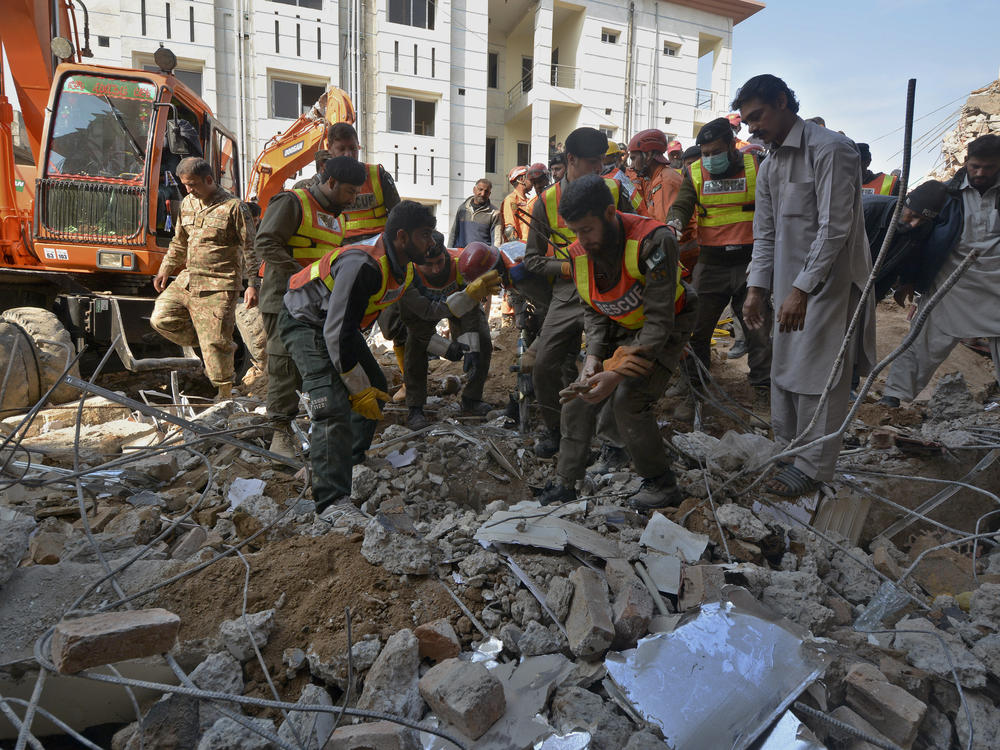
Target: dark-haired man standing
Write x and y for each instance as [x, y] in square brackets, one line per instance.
[299, 227]
[811, 253]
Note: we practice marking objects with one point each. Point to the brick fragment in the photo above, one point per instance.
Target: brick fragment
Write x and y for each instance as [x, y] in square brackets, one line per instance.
[437, 640]
[464, 694]
[378, 735]
[890, 709]
[112, 637]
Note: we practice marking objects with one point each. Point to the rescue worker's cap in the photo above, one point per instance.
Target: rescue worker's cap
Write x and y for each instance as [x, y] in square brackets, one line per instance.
[515, 173]
[586, 143]
[674, 146]
[691, 152]
[537, 170]
[612, 149]
[865, 151]
[651, 141]
[719, 128]
[927, 199]
[734, 119]
[476, 259]
[557, 158]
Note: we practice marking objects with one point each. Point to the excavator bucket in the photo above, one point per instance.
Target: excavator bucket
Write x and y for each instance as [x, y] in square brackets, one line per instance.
[337, 106]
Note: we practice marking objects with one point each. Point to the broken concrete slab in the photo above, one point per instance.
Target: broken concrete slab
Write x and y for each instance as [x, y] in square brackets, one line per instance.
[227, 734]
[313, 728]
[663, 535]
[172, 722]
[397, 552]
[589, 625]
[15, 531]
[559, 596]
[890, 709]
[237, 634]
[391, 683]
[219, 673]
[631, 614]
[377, 735]
[437, 640]
[620, 574]
[192, 541]
[112, 636]
[924, 646]
[464, 694]
[96, 440]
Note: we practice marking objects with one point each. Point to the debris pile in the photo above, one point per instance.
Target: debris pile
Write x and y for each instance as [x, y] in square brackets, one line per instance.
[980, 115]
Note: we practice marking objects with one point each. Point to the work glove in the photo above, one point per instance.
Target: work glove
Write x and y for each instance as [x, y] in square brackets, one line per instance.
[484, 286]
[366, 403]
[566, 270]
[456, 351]
[627, 361]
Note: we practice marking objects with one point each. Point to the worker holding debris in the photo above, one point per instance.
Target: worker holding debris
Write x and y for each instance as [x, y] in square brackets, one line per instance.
[718, 189]
[298, 228]
[437, 279]
[810, 252]
[214, 243]
[638, 316]
[546, 254]
[324, 311]
[366, 215]
[969, 220]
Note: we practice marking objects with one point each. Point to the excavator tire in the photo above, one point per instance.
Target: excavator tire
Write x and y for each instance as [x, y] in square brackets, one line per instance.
[34, 351]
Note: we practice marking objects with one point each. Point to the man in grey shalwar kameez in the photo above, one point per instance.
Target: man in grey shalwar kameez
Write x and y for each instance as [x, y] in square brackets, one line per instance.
[811, 253]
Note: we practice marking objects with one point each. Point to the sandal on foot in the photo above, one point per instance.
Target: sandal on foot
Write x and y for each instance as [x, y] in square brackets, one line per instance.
[791, 482]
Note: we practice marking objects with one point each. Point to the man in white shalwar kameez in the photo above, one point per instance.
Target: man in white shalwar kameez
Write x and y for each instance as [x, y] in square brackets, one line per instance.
[811, 253]
[971, 308]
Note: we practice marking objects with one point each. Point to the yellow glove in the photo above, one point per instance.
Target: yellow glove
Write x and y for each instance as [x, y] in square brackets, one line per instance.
[626, 361]
[366, 403]
[566, 270]
[484, 286]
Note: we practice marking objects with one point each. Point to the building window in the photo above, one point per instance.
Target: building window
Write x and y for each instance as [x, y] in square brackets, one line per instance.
[319, 42]
[523, 153]
[190, 78]
[277, 37]
[411, 116]
[395, 57]
[419, 13]
[166, 17]
[289, 99]
[191, 24]
[142, 16]
[671, 50]
[313, 4]
[493, 70]
[103, 41]
[298, 40]
[607, 131]
[491, 154]
[609, 37]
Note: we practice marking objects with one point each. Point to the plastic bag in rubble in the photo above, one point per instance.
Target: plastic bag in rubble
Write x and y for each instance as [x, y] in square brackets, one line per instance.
[888, 600]
[242, 489]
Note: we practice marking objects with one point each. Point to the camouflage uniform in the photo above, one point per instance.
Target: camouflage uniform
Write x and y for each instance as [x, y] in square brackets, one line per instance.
[214, 240]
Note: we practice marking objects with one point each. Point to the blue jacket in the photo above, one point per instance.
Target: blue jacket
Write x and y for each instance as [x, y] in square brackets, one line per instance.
[944, 235]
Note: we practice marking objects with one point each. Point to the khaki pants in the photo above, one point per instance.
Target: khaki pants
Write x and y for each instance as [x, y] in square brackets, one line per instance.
[251, 327]
[205, 319]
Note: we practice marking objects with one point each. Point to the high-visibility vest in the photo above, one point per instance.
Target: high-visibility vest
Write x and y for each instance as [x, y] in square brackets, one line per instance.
[453, 283]
[318, 233]
[880, 184]
[367, 214]
[728, 205]
[389, 290]
[623, 303]
[631, 189]
[563, 236]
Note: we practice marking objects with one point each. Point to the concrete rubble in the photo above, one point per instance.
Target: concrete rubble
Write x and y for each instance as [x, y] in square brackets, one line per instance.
[489, 618]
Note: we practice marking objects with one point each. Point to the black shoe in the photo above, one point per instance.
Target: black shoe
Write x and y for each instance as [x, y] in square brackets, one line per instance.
[416, 419]
[737, 350]
[512, 411]
[891, 401]
[611, 458]
[657, 492]
[556, 493]
[548, 444]
[475, 407]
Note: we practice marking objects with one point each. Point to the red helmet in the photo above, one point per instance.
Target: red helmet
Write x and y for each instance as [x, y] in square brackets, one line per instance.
[649, 140]
[537, 170]
[476, 259]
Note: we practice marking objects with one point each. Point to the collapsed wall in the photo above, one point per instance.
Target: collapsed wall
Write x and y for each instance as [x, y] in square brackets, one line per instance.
[979, 115]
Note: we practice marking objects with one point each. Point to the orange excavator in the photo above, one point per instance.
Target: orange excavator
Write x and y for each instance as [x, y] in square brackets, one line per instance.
[87, 215]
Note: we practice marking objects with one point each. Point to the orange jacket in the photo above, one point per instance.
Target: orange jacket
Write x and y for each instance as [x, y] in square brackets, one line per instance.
[511, 217]
[659, 191]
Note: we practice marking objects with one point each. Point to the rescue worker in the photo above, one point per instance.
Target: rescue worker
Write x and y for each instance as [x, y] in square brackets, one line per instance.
[514, 204]
[658, 183]
[299, 227]
[477, 219]
[875, 183]
[538, 175]
[420, 309]
[557, 166]
[250, 324]
[214, 243]
[546, 255]
[638, 315]
[365, 217]
[675, 155]
[612, 170]
[719, 190]
[611, 158]
[319, 158]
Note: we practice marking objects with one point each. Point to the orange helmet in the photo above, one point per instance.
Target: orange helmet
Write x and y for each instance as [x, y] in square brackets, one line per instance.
[476, 259]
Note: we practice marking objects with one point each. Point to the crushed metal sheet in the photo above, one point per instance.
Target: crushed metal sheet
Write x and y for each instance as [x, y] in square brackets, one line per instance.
[790, 734]
[571, 741]
[528, 524]
[665, 536]
[720, 679]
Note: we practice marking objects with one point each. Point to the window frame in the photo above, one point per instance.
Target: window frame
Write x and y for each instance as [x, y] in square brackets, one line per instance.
[413, 102]
[675, 49]
[492, 70]
[610, 36]
[301, 108]
[491, 154]
[429, 13]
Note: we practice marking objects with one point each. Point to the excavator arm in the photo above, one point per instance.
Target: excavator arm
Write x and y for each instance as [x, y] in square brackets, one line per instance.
[287, 153]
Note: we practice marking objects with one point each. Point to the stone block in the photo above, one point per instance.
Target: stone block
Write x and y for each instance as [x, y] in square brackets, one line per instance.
[538, 640]
[620, 575]
[46, 548]
[236, 636]
[112, 637]
[890, 709]
[391, 683]
[437, 640]
[378, 735]
[631, 613]
[465, 695]
[559, 596]
[589, 624]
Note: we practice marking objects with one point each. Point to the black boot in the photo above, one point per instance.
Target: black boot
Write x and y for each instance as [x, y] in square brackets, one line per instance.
[548, 444]
[657, 492]
[556, 493]
[611, 458]
[416, 419]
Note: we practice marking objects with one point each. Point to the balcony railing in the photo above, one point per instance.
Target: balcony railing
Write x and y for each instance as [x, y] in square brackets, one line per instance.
[560, 76]
[705, 99]
[564, 76]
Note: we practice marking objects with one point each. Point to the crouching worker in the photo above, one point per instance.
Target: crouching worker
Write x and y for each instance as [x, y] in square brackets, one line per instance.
[438, 280]
[638, 316]
[327, 306]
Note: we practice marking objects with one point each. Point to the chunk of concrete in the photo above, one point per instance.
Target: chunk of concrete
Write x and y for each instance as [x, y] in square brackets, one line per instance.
[237, 637]
[161, 467]
[987, 650]
[391, 683]
[46, 547]
[396, 551]
[741, 522]
[538, 639]
[437, 640]
[15, 531]
[620, 575]
[464, 694]
[985, 723]
[890, 709]
[589, 625]
[925, 649]
[190, 543]
[170, 723]
[219, 673]
[313, 728]
[985, 606]
[112, 637]
[559, 596]
[631, 613]
[700, 584]
[849, 717]
[227, 734]
[378, 735]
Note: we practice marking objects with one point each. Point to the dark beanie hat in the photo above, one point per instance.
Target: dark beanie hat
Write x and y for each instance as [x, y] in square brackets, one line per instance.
[586, 143]
[927, 199]
[865, 151]
[720, 127]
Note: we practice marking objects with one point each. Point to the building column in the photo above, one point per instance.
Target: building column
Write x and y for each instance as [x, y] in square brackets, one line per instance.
[541, 82]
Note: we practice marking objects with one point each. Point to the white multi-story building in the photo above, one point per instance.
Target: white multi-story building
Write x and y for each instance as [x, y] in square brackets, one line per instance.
[447, 91]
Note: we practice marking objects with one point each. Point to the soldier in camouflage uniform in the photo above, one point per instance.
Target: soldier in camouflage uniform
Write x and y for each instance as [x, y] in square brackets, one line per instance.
[214, 242]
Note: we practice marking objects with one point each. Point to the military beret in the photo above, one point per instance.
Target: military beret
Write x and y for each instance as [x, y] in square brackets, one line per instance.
[586, 143]
[716, 129]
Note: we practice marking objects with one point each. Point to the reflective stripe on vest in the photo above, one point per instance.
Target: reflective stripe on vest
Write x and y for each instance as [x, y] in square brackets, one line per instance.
[632, 191]
[318, 232]
[623, 303]
[882, 184]
[389, 290]
[561, 239]
[726, 221]
[455, 280]
[367, 214]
